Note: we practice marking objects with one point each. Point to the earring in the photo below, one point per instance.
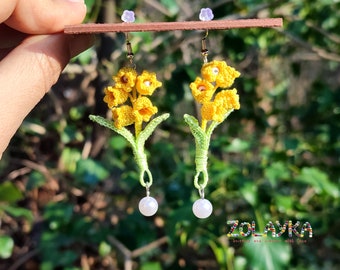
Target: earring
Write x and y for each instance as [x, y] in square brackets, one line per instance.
[128, 101]
[216, 103]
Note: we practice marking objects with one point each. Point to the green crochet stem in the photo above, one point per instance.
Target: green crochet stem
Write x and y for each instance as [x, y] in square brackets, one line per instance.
[202, 141]
[137, 143]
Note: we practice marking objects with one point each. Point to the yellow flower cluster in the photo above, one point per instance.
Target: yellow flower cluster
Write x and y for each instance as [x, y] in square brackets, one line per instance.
[133, 87]
[215, 74]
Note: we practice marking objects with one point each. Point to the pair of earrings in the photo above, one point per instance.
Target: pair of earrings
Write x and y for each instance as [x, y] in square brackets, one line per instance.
[128, 99]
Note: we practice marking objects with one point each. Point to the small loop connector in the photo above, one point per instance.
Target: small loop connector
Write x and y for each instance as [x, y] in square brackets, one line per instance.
[201, 192]
[147, 187]
[146, 184]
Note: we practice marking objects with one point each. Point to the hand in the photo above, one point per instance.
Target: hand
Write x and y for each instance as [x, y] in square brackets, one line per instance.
[33, 52]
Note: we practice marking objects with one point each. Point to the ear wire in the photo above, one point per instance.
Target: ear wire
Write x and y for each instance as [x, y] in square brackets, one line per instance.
[206, 14]
[128, 16]
[129, 53]
[204, 50]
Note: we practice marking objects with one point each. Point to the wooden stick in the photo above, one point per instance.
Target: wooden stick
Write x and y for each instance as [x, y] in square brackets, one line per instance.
[171, 26]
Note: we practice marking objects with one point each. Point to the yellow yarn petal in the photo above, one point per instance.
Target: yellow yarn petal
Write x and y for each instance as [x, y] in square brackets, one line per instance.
[213, 111]
[228, 99]
[220, 73]
[114, 96]
[147, 83]
[125, 79]
[143, 109]
[202, 90]
[123, 116]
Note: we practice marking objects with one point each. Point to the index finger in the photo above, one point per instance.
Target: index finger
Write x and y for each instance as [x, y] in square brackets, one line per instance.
[7, 8]
[42, 16]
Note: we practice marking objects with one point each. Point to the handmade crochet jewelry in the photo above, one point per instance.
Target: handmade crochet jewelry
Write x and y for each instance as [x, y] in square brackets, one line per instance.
[128, 101]
[215, 107]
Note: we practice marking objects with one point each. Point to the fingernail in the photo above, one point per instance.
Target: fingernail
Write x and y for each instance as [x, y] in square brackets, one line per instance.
[77, 1]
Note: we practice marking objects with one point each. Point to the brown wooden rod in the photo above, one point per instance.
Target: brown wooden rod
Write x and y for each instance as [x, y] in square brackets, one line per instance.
[171, 26]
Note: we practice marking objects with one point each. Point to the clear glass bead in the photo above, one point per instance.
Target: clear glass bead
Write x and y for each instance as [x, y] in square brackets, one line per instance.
[202, 208]
[148, 206]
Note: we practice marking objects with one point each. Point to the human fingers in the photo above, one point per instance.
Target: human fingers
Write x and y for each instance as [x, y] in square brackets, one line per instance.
[7, 7]
[43, 16]
[28, 72]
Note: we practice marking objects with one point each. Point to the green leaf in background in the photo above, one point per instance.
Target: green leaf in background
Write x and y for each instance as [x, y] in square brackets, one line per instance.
[237, 146]
[151, 266]
[104, 249]
[76, 113]
[222, 253]
[70, 134]
[58, 214]
[6, 246]
[85, 57]
[267, 254]
[9, 193]
[283, 203]
[171, 6]
[249, 192]
[118, 143]
[17, 211]
[69, 158]
[58, 258]
[90, 3]
[93, 9]
[90, 172]
[319, 180]
[276, 172]
[35, 180]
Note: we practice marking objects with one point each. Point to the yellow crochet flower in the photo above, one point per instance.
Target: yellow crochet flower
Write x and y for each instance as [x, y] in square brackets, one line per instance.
[202, 90]
[143, 109]
[212, 69]
[220, 73]
[125, 79]
[147, 83]
[123, 116]
[213, 111]
[115, 96]
[228, 99]
[228, 75]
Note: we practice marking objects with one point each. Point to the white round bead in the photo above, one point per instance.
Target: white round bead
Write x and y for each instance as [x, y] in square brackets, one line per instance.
[148, 206]
[202, 208]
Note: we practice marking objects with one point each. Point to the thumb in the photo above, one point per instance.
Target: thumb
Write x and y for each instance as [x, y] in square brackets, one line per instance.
[28, 72]
[46, 16]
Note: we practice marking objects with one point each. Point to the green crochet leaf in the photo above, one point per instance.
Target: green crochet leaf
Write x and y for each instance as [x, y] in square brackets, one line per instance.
[214, 124]
[149, 129]
[109, 124]
[196, 130]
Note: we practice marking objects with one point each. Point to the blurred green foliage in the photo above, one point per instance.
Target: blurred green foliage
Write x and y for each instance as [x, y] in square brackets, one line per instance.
[69, 189]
